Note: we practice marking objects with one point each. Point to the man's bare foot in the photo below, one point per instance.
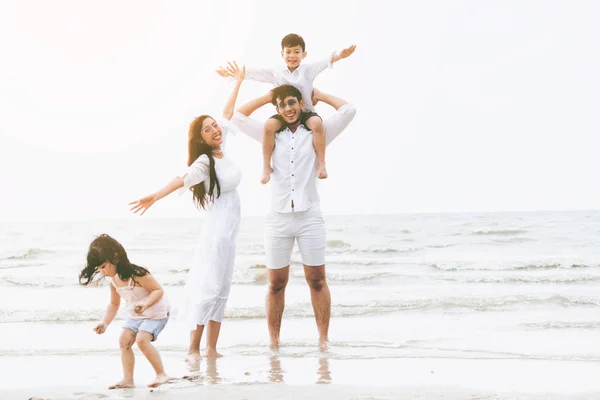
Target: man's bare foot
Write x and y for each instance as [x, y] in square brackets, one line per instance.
[266, 176]
[160, 379]
[323, 345]
[274, 346]
[322, 172]
[124, 384]
[193, 357]
[212, 353]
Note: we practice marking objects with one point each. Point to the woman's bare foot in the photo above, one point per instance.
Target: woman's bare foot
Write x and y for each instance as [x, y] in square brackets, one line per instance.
[322, 172]
[266, 176]
[160, 380]
[212, 353]
[124, 384]
[193, 357]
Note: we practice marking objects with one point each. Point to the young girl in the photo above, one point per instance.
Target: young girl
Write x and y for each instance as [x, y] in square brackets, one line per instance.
[147, 308]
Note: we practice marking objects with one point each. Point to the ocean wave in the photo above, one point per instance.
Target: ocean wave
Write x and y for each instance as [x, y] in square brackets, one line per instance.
[515, 240]
[523, 279]
[550, 265]
[500, 232]
[337, 244]
[304, 310]
[39, 282]
[258, 276]
[561, 325]
[28, 254]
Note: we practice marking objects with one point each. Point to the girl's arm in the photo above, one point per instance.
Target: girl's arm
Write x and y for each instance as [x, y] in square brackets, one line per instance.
[111, 311]
[149, 283]
[146, 202]
[239, 75]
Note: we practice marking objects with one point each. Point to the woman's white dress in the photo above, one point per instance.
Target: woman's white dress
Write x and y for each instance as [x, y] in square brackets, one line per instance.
[209, 280]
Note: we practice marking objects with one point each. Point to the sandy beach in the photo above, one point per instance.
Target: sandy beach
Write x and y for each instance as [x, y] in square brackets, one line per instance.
[289, 377]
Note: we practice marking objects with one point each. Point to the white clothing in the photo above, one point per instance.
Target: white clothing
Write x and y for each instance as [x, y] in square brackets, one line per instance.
[302, 78]
[308, 227]
[294, 160]
[211, 270]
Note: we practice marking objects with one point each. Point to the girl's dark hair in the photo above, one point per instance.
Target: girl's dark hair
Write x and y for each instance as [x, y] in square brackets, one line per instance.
[105, 248]
[197, 147]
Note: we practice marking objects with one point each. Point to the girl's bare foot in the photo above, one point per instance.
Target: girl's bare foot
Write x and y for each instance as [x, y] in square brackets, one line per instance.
[160, 380]
[124, 384]
[266, 176]
[212, 353]
[193, 357]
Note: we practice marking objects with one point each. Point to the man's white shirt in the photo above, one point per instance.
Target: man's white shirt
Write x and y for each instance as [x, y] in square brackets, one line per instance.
[294, 161]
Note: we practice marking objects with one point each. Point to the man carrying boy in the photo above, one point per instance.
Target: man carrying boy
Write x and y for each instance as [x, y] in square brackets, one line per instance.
[293, 51]
[295, 212]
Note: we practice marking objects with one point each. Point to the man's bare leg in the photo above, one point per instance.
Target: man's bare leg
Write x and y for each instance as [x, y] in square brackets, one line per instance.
[275, 302]
[126, 341]
[268, 144]
[212, 337]
[316, 126]
[193, 354]
[321, 300]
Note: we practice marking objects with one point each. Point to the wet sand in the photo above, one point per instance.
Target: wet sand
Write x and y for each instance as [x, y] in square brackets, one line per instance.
[289, 377]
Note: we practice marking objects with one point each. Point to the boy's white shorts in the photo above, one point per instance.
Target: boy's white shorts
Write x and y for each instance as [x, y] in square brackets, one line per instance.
[282, 229]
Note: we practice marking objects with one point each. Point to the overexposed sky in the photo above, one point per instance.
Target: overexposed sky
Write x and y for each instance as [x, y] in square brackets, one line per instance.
[462, 105]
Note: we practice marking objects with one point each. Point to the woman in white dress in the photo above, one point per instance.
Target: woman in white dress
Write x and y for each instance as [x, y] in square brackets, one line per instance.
[213, 179]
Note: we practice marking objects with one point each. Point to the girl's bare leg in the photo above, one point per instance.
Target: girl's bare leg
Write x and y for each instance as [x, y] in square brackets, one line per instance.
[126, 341]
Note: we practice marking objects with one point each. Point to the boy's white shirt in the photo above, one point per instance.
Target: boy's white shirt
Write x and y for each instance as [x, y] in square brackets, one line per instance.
[302, 77]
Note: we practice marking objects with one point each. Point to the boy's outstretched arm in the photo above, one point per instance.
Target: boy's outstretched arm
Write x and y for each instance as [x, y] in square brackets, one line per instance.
[344, 53]
[314, 69]
[266, 75]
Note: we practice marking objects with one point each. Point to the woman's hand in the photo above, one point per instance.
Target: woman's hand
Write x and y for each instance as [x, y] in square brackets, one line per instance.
[239, 74]
[142, 204]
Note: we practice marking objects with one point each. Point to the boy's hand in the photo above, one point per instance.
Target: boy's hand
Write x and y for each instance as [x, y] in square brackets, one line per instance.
[100, 328]
[347, 52]
[223, 72]
[140, 308]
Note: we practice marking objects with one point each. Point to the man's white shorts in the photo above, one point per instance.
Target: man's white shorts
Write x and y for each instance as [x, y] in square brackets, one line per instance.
[282, 229]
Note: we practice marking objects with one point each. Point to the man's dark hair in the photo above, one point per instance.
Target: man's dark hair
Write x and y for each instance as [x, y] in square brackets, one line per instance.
[293, 40]
[283, 91]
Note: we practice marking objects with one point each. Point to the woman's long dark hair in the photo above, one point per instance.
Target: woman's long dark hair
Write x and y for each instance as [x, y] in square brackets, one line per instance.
[197, 147]
[105, 248]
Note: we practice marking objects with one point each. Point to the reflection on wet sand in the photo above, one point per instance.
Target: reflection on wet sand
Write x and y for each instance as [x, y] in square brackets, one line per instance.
[212, 372]
[275, 371]
[210, 376]
[323, 372]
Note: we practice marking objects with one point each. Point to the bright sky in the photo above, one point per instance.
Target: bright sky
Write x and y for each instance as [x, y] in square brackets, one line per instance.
[462, 105]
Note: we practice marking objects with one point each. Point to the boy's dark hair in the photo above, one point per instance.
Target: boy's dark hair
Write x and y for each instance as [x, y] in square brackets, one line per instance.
[283, 91]
[292, 40]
